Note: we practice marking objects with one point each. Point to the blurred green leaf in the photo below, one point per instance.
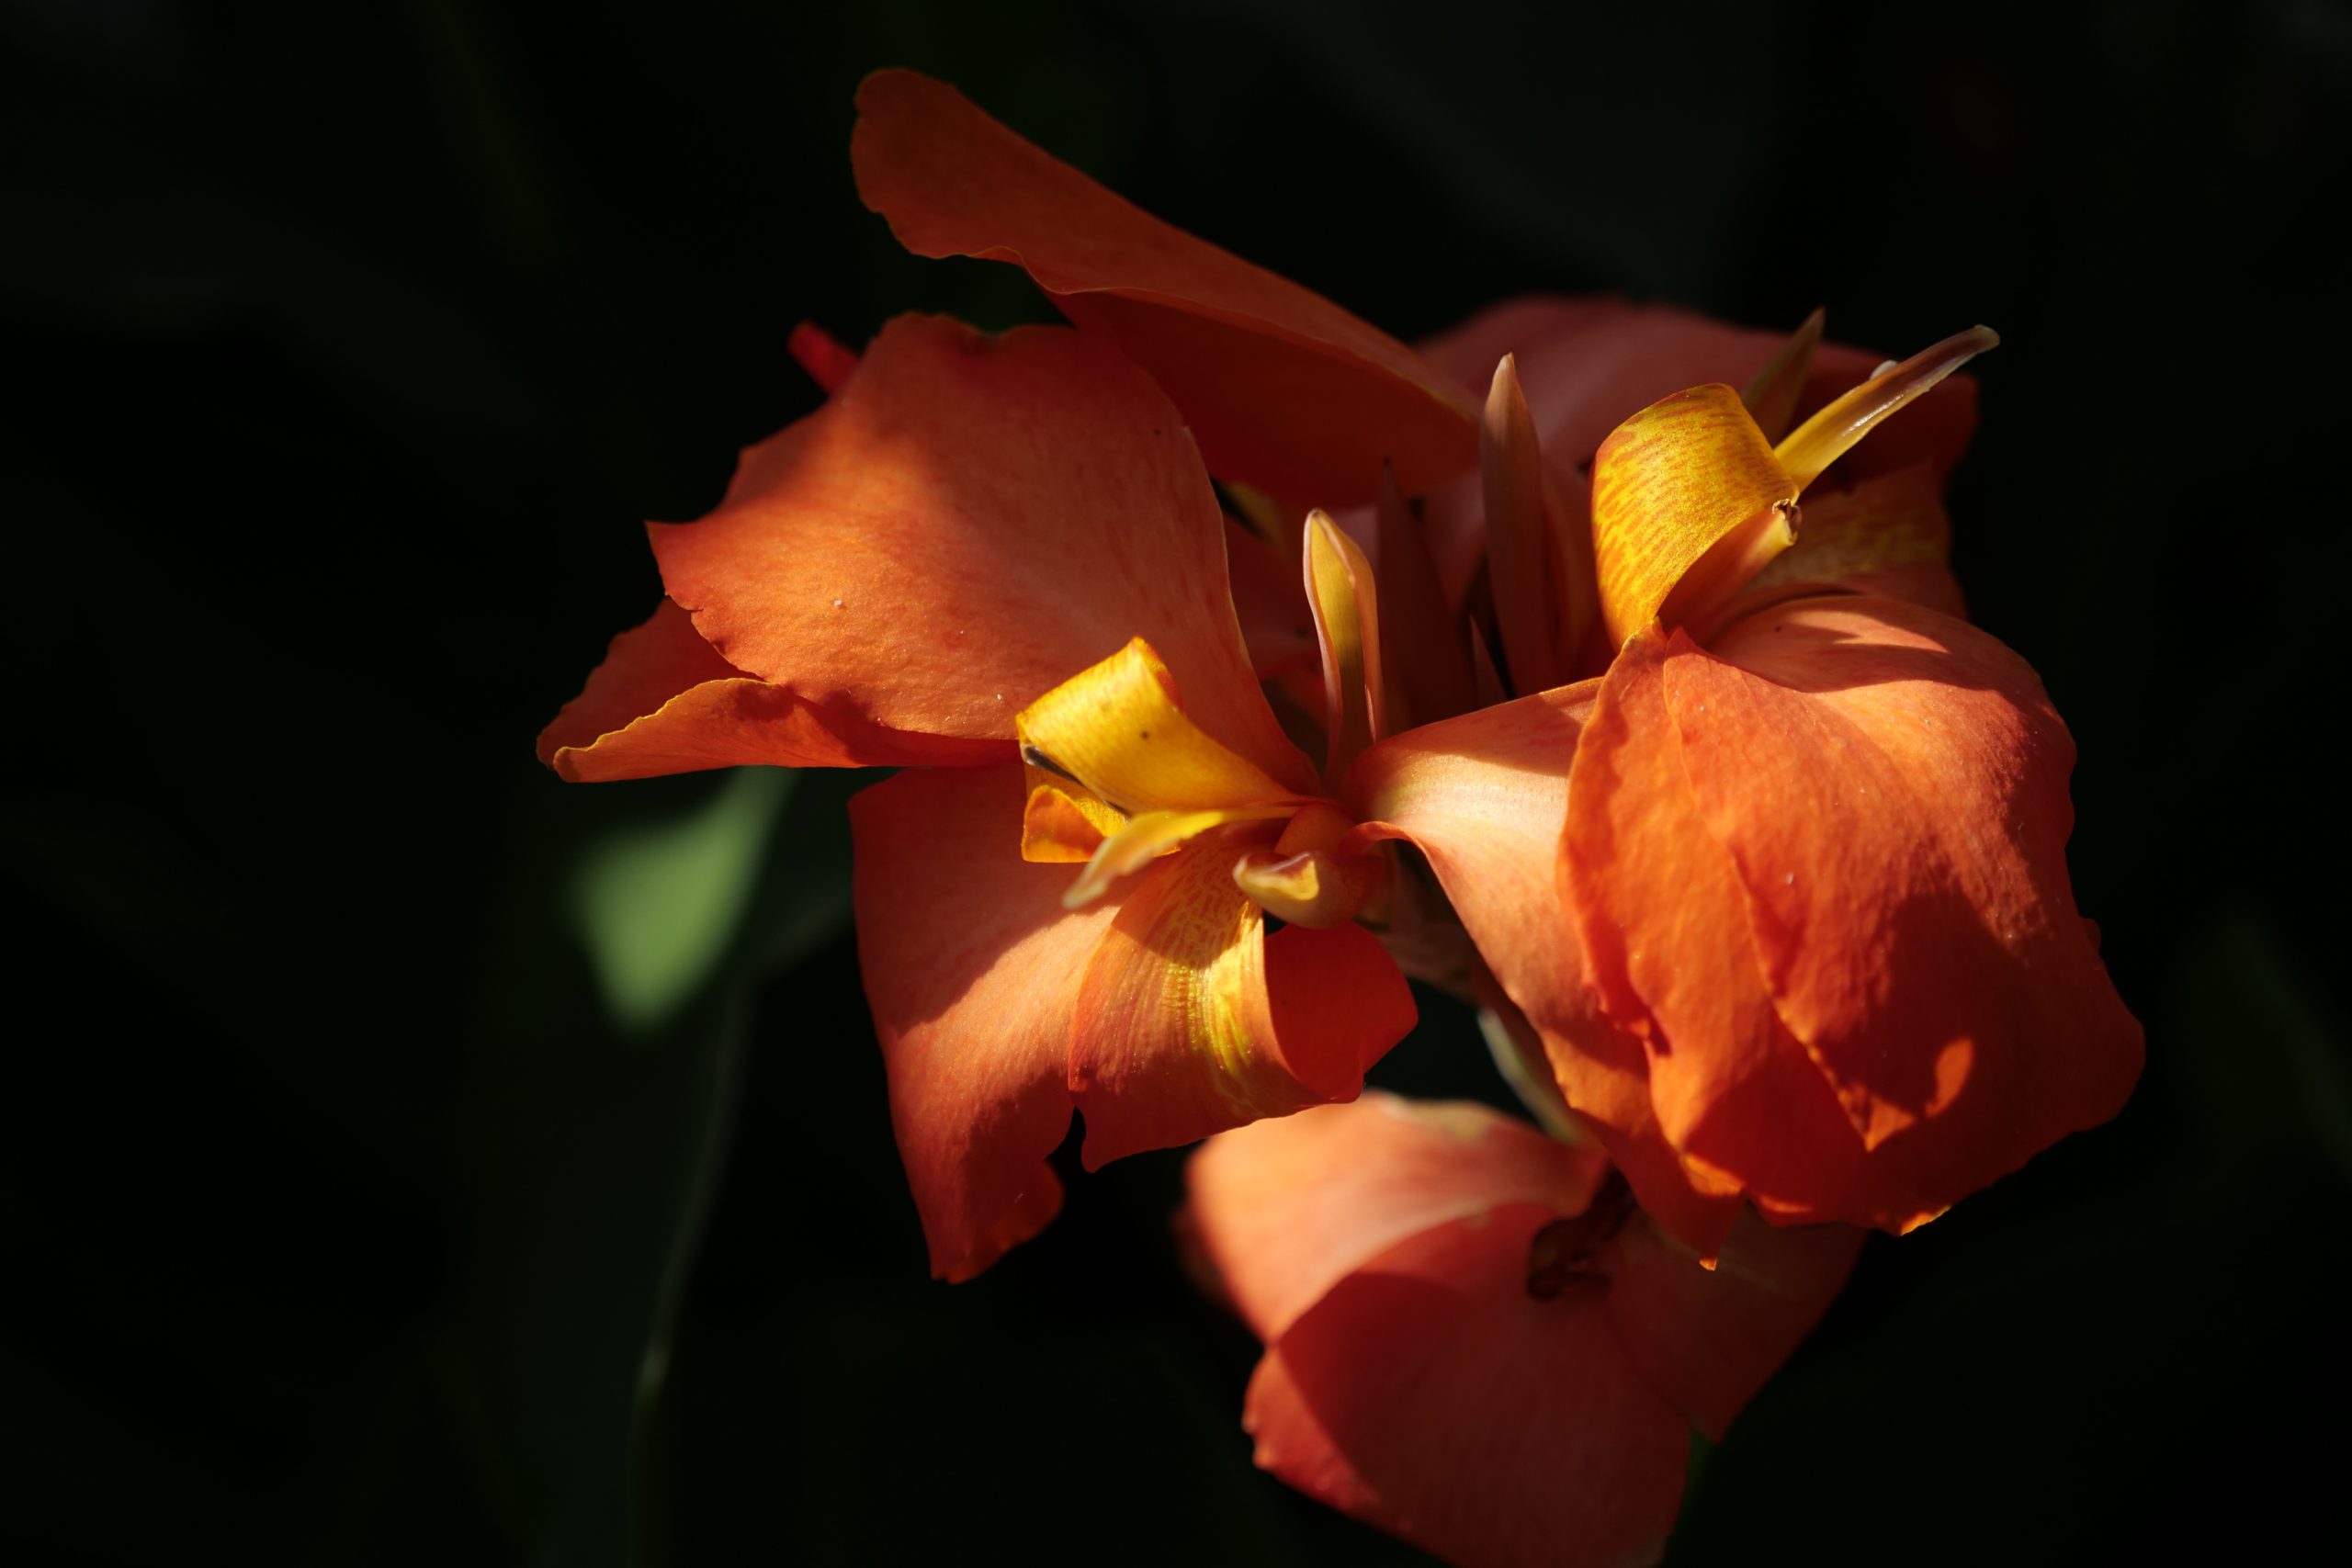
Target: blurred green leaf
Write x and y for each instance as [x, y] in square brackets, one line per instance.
[658, 904]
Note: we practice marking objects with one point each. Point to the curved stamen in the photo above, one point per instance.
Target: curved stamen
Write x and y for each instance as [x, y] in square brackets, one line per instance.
[1772, 396]
[1829, 434]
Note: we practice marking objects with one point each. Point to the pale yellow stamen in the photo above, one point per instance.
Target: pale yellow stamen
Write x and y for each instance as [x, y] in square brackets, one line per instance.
[1831, 434]
[1149, 835]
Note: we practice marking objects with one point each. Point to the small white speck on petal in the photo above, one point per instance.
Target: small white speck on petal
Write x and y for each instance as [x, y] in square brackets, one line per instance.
[837, 604]
[1790, 880]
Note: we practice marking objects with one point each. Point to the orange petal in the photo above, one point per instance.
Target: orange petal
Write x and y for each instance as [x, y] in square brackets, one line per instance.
[1687, 504]
[1482, 796]
[970, 520]
[1191, 1020]
[1283, 1209]
[1887, 536]
[664, 702]
[1708, 1338]
[1285, 390]
[1430, 1394]
[972, 966]
[1664, 931]
[1890, 785]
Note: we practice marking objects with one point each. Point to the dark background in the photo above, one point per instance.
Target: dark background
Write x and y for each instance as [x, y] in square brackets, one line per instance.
[408, 1159]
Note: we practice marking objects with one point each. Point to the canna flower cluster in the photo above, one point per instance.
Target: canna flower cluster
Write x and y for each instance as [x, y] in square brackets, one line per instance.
[1240, 661]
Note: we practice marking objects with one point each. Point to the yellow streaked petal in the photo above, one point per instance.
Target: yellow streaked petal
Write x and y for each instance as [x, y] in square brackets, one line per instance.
[1118, 730]
[1772, 395]
[1144, 839]
[1688, 502]
[1829, 434]
[1347, 625]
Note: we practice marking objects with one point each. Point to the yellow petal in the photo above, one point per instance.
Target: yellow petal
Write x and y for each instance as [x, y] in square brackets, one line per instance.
[1347, 625]
[1118, 731]
[1687, 503]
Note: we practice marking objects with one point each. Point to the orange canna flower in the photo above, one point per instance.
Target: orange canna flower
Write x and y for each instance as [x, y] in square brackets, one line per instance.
[1763, 865]
[1473, 1340]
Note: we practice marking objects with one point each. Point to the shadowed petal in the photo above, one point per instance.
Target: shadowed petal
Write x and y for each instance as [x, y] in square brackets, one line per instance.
[1888, 535]
[1430, 1395]
[972, 966]
[1285, 390]
[1283, 1210]
[1709, 1339]
[968, 522]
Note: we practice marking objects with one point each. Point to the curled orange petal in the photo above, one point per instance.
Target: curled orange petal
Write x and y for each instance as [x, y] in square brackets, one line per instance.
[927, 553]
[1285, 390]
[665, 702]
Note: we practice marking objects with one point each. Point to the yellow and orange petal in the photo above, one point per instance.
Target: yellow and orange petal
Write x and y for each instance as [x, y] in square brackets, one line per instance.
[1286, 391]
[1190, 1019]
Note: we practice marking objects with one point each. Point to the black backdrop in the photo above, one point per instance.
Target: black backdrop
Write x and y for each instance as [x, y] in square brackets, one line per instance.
[364, 1133]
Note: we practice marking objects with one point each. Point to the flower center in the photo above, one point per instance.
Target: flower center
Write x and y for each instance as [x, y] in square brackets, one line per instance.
[1120, 775]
